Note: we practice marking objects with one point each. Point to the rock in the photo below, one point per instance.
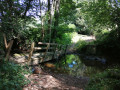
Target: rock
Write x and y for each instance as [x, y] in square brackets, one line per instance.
[37, 70]
[102, 60]
[49, 65]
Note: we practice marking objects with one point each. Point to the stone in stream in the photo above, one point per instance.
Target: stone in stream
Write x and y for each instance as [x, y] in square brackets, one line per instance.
[102, 60]
[49, 65]
[37, 70]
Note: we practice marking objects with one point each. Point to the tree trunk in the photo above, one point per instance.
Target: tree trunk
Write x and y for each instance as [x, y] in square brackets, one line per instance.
[43, 30]
[42, 22]
[49, 20]
[56, 16]
[7, 46]
[9, 49]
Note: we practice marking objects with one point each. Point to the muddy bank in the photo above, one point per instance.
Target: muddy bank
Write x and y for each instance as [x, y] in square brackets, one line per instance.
[55, 81]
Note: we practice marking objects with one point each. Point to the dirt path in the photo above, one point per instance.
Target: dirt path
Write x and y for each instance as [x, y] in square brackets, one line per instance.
[54, 81]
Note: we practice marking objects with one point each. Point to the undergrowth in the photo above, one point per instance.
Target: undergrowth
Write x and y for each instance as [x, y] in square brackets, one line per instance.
[12, 76]
[107, 80]
[80, 46]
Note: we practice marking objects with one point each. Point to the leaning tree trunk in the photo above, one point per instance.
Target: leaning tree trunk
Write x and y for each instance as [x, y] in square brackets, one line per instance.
[8, 47]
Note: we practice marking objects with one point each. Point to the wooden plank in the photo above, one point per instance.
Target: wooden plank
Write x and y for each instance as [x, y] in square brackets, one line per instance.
[49, 53]
[37, 55]
[47, 43]
[40, 48]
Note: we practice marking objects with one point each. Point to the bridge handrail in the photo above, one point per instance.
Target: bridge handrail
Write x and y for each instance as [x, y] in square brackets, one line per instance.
[50, 43]
[55, 47]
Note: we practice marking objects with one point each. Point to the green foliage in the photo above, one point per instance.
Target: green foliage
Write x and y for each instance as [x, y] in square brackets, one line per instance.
[94, 15]
[81, 46]
[107, 80]
[67, 10]
[108, 43]
[32, 34]
[12, 76]
[11, 19]
[1, 41]
[70, 58]
[64, 39]
[64, 34]
[101, 34]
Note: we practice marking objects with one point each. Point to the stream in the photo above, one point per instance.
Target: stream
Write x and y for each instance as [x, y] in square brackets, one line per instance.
[80, 65]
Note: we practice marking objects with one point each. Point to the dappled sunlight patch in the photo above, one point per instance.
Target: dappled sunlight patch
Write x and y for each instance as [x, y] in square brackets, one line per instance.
[77, 37]
[43, 81]
[53, 81]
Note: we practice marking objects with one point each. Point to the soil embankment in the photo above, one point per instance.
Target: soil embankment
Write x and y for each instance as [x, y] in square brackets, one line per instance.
[55, 81]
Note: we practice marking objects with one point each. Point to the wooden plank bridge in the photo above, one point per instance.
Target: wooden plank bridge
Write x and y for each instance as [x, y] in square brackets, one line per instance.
[42, 52]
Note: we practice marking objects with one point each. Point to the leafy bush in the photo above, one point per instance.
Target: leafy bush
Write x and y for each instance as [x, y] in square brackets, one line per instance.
[64, 39]
[64, 34]
[100, 34]
[81, 46]
[109, 44]
[107, 80]
[32, 34]
[12, 76]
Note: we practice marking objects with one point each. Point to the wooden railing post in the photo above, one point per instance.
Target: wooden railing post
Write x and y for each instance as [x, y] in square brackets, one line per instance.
[31, 51]
[54, 51]
[48, 45]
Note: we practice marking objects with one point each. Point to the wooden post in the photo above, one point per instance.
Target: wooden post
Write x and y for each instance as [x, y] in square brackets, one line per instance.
[48, 45]
[59, 52]
[31, 51]
[54, 51]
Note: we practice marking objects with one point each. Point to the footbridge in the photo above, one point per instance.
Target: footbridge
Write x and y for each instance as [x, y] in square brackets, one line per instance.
[42, 52]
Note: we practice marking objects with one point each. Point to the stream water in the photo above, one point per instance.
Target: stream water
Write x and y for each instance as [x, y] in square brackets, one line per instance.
[80, 65]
